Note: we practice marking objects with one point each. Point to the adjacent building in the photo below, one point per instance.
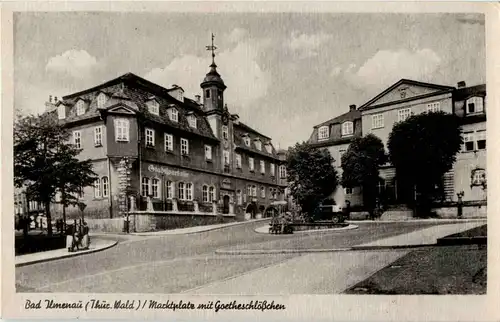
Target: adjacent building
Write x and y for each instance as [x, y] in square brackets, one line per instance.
[179, 148]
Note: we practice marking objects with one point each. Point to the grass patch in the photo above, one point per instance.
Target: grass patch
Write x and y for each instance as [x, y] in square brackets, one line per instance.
[438, 270]
[480, 231]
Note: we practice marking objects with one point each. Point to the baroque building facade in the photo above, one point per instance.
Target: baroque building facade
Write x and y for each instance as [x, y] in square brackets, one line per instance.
[179, 148]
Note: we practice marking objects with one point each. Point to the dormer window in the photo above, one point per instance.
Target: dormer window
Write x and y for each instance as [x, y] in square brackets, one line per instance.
[246, 139]
[192, 121]
[101, 100]
[347, 128]
[269, 148]
[475, 105]
[323, 133]
[177, 92]
[173, 114]
[153, 107]
[61, 112]
[258, 145]
[80, 107]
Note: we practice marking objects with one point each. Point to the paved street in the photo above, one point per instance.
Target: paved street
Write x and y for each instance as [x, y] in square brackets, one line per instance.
[185, 263]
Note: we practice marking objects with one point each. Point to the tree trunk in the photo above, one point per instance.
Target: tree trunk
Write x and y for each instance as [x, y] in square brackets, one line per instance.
[63, 197]
[49, 218]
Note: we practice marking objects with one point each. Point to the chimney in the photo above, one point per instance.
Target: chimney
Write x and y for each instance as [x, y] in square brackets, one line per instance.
[352, 107]
[198, 99]
[55, 99]
[461, 84]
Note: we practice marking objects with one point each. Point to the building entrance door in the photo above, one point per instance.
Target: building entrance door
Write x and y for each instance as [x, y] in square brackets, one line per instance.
[225, 206]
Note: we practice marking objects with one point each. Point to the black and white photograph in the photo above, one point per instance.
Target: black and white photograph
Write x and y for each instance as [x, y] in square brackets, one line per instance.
[257, 155]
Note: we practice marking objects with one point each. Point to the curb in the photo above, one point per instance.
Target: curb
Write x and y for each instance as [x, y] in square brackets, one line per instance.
[351, 226]
[417, 220]
[172, 232]
[90, 251]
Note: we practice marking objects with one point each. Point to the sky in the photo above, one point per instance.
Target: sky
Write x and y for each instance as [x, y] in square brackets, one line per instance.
[285, 72]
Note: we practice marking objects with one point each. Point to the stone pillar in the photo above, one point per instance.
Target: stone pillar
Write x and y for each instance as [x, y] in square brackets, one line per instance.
[174, 205]
[214, 208]
[196, 208]
[231, 208]
[132, 203]
[150, 204]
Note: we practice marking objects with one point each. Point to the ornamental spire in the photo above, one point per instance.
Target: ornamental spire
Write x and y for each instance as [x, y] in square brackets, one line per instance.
[212, 48]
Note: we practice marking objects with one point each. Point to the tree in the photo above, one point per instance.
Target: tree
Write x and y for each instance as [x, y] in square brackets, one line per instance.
[311, 176]
[45, 163]
[422, 149]
[360, 167]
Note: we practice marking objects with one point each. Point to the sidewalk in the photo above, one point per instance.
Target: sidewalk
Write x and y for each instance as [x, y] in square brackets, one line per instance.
[95, 246]
[436, 220]
[196, 229]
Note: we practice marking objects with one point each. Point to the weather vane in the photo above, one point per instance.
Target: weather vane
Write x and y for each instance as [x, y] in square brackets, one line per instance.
[212, 48]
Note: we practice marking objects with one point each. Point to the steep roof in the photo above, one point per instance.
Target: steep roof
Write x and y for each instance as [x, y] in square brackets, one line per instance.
[349, 116]
[466, 92]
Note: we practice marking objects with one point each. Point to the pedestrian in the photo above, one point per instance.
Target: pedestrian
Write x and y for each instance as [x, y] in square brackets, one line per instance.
[85, 236]
[76, 236]
[347, 210]
[70, 243]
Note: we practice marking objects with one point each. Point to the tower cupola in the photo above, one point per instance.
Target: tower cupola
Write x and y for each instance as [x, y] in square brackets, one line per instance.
[213, 86]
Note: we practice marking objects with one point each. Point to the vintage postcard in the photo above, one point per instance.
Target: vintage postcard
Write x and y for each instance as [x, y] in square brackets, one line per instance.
[250, 160]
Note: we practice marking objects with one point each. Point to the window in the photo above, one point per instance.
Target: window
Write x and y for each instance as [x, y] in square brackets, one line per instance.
[347, 128]
[184, 147]
[80, 107]
[475, 105]
[211, 194]
[272, 169]
[269, 148]
[239, 197]
[204, 193]
[323, 133]
[98, 135]
[254, 191]
[262, 192]
[238, 161]
[208, 152]
[250, 164]
[174, 115]
[225, 132]
[189, 191]
[377, 121]
[207, 93]
[105, 187]
[246, 139]
[150, 137]
[153, 107]
[481, 139]
[77, 139]
[145, 187]
[155, 188]
[169, 190]
[97, 188]
[262, 167]
[469, 141]
[434, 107]
[282, 171]
[192, 121]
[404, 113]
[101, 100]
[169, 142]
[249, 190]
[122, 129]
[258, 145]
[226, 157]
[182, 193]
[348, 191]
[61, 112]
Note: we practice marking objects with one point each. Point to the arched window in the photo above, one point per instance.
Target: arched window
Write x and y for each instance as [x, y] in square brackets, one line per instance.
[97, 188]
[80, 107]
[145, 187]
[105, 187]
[101, 100]
[205, 193]
[254, 191]
[155, 188]
[169, 189]
[323, 133]
[249, 190]
[182, 193]
[239, 197]
[211, 194]
[347, 128]
[189, 191]
[262, 192]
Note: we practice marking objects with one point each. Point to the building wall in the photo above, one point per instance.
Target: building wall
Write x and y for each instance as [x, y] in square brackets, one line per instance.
[116, 148]
[89, 149]
[390, 113]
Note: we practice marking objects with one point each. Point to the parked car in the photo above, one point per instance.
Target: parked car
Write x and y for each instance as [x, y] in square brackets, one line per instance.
[330, 212]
